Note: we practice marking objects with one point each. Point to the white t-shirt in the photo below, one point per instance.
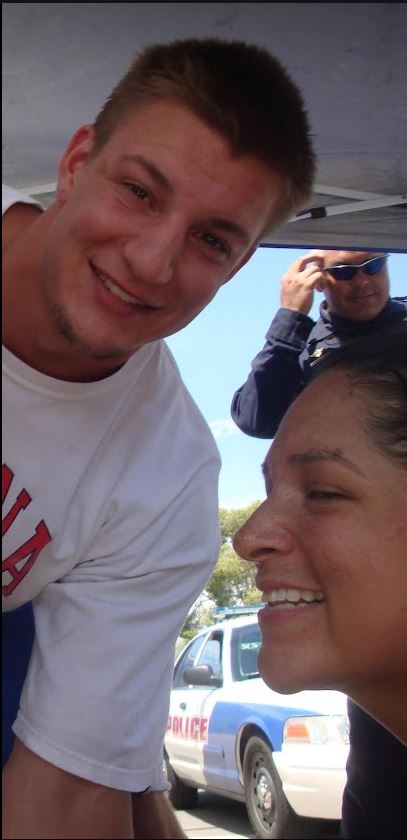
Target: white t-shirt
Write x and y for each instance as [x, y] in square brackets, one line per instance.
[111, 524]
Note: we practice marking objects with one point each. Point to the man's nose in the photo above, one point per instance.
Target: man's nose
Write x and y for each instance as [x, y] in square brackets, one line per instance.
[262, 536]
[153, 255]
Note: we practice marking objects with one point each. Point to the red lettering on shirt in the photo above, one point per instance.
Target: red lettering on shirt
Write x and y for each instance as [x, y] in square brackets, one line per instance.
[29, 551]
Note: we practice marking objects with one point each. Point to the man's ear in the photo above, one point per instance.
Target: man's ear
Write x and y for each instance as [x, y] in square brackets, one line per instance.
[242, 262]
[74, 159]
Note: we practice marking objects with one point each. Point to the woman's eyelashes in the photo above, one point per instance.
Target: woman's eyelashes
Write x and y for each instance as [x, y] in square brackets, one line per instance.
[324, 495]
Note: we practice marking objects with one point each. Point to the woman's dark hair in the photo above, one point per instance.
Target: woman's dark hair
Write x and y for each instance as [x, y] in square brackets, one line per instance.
[376, 367]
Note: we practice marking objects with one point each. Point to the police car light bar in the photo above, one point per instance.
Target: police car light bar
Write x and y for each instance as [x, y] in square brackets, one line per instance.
[229, 612]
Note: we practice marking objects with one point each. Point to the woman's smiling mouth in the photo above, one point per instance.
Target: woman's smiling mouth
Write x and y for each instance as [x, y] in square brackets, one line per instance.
[288, 599]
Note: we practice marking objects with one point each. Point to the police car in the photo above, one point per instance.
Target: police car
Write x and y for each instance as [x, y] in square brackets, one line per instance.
[283, 755]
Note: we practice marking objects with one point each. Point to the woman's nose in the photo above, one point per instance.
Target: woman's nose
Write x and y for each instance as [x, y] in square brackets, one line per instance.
[262, 535]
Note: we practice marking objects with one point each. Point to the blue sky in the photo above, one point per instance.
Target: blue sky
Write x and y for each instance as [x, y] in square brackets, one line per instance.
[214, 354]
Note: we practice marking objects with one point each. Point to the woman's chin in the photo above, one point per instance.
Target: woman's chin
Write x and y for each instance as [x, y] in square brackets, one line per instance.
[281, 684]
[282, 679]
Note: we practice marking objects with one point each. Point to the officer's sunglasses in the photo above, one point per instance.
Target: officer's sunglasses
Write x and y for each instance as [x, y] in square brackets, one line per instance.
[349, 271]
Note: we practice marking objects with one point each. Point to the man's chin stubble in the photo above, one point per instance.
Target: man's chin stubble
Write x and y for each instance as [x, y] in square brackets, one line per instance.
[65, 328]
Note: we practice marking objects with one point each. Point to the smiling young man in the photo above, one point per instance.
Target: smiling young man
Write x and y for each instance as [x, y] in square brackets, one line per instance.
[110, 473]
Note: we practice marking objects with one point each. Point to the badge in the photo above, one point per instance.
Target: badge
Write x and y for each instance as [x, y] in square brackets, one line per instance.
[317, 355]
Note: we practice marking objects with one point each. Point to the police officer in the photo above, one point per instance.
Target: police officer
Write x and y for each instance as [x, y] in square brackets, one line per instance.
[357, 302]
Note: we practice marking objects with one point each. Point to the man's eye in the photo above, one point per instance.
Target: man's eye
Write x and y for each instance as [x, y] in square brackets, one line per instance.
[138, 191]
[213, 242]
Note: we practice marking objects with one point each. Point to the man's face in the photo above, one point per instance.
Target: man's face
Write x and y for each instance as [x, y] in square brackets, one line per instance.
[361, 298]
[149, 228]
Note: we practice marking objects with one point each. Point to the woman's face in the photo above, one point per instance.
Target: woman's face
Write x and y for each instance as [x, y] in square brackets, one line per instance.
[330, 543]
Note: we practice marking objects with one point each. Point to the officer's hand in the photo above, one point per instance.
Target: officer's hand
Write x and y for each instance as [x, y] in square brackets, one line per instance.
[303, 277]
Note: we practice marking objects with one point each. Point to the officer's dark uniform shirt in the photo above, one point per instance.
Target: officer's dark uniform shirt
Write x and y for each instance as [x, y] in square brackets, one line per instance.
[294, 343]
[375, 796]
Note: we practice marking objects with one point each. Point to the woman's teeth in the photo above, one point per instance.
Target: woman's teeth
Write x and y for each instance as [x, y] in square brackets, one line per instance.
[288, 599]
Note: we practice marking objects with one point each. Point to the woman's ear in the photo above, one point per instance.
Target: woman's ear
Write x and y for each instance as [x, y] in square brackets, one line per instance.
[74, 159]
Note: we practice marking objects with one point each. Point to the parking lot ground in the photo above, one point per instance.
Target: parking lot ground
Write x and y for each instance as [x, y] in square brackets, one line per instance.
[218, 817]
[215, 817]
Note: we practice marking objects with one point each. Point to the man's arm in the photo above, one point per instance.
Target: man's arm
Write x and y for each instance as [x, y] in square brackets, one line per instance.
[276, 376]
[154, 817]
[41, 801]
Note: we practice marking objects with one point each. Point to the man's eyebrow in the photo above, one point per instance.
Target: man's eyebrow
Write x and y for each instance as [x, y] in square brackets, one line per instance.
[149, 167]
[216, 222]
[227, 226]
[314, 455]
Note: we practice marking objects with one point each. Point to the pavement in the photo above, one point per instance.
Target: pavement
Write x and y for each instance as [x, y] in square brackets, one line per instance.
[216, 817]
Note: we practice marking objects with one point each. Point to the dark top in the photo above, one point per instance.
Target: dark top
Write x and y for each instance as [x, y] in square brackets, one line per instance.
[294, 342]
[17, 642]
[374, 800]
[375, 796]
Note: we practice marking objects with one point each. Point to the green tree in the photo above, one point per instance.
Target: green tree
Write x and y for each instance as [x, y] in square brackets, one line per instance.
[232, 582]
[232, 520]
[199, 616]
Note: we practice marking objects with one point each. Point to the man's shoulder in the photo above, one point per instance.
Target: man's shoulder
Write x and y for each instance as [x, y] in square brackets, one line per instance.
[170, 396]
[18, 211]
[10, 196]
[400, 302]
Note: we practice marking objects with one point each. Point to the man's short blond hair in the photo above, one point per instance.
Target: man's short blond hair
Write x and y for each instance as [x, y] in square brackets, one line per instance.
[240, 90]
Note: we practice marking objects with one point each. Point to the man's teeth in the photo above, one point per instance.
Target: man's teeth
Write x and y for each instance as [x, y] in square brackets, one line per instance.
[116, 289]
[288, 599]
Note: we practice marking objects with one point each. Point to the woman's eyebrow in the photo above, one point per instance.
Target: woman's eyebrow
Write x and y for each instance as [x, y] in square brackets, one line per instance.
[310, 456]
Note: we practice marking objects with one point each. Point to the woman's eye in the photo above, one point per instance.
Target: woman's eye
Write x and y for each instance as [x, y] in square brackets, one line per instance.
[138, 191]
[324, 495]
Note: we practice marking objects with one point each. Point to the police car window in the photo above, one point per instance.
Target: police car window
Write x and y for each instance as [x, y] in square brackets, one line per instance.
[244, 650]
[187, 661]
[212, 654]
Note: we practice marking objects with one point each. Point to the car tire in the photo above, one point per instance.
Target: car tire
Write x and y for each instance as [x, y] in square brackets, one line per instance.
[181, 796]
[269, 811]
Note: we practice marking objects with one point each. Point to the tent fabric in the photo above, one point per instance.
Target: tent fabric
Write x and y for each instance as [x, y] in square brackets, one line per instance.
[60, 61]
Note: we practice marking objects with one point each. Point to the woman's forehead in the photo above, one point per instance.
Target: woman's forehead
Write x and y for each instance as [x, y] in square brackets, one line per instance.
[325, 411]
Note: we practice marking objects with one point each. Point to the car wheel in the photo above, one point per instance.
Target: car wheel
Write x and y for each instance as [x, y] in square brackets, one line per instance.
[181, 796]
[269, 811]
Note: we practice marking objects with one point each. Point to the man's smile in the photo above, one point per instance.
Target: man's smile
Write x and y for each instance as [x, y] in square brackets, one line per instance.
[117, 290]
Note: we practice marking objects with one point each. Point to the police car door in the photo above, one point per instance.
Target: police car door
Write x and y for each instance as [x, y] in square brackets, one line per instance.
[186, 739]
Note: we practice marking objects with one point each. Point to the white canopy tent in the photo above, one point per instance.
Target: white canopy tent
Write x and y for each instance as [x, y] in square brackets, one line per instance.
[60, 61]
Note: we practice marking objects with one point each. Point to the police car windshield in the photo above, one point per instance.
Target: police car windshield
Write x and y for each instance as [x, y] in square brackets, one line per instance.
[245, 647]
